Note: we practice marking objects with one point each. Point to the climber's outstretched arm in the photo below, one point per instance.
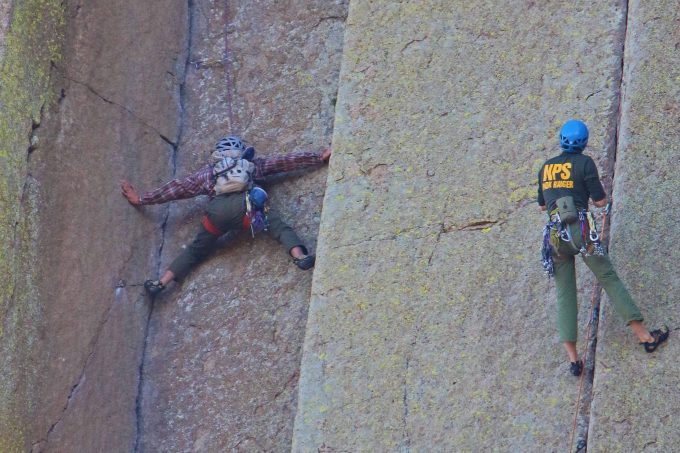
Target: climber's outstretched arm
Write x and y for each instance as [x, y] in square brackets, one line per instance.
[265, 166]
[199, 183]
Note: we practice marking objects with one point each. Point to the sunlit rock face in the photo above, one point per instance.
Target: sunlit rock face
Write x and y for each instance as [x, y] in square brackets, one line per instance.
[446, 339]
[430, 326]
[224, 348]
[142, 92]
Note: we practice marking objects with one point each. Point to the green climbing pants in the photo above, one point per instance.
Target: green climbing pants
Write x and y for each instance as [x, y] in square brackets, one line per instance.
[565, 281]
[225, 213]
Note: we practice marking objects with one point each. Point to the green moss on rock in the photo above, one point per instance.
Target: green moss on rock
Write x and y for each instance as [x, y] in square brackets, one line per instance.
[32, 43]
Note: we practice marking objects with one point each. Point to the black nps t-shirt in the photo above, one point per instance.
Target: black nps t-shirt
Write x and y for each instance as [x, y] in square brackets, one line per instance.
[569, 174]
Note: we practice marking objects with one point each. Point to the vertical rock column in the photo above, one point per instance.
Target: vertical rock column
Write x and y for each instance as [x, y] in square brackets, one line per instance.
[431, 326]
[30, 38]
[113, 116]
[635, 396]
[223, 353]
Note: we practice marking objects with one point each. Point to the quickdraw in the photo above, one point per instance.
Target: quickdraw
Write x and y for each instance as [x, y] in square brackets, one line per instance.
[554, 224]
[588, 221]
[546, 252]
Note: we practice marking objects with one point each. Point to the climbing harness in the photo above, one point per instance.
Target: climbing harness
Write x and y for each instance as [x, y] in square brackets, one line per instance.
[210, 227]
[560, 229]
[554, 230]
[546, 251]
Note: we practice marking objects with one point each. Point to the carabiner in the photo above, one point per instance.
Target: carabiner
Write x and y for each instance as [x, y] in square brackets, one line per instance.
[565, 235]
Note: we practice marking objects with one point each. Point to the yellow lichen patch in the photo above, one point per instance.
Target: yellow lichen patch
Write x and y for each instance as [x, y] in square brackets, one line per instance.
[32, 42]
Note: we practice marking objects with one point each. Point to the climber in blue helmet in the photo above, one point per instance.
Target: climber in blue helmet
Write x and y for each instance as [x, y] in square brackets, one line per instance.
[230, 179]
[573, 136]
[566, 183]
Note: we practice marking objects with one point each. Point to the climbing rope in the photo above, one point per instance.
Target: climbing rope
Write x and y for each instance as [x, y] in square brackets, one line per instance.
[594, 300]
[227, 67]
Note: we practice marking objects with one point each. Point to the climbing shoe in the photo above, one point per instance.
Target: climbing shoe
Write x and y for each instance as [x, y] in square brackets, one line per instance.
[576, 368]
[306, 262]
[153, 287]
[659, 335]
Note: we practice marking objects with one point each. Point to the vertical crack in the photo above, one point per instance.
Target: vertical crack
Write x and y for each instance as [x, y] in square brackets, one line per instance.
[407, 434]
[159, 255]
[583, 415]
[82, 378]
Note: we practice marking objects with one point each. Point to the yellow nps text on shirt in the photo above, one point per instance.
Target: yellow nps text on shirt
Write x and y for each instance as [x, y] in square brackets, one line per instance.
[557, 176]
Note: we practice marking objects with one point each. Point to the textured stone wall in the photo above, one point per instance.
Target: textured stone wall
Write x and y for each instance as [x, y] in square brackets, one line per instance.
[74, 317]
[224, 348]
[5, 13]
[431, 326]
[29, 40]
[113, 115]
[635, 397]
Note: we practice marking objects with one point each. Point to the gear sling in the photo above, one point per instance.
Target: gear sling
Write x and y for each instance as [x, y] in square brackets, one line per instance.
[557, 231]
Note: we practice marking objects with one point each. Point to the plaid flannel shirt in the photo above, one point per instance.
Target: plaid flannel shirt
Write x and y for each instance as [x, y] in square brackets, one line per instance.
[202, 182]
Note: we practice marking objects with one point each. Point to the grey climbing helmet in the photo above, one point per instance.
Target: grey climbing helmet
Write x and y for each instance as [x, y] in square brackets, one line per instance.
[230, 143]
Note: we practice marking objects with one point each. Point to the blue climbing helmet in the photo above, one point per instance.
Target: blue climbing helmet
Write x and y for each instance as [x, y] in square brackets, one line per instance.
[573, 136]
[258, 198]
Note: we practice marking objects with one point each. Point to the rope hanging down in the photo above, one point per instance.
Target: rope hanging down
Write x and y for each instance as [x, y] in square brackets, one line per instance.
[594, 300]
[226, 58]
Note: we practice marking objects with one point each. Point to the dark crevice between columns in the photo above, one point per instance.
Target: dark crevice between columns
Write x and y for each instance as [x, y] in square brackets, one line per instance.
[405, 416]
[159, 255]
[583, 424]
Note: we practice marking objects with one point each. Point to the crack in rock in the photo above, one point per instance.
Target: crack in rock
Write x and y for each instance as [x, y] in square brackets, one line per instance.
[191, 11]
[109, 101]
[413, 41]
[407, 434]
[81, 379]
[475, 226]
[328, 19]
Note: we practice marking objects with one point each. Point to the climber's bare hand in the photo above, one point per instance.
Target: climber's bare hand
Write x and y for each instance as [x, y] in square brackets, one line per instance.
[130, 193]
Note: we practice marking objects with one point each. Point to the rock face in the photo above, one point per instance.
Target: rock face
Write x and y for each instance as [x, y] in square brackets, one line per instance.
[5, 13]
[447, 342]
[224, 348]
[635, 397]
[116, 118]
[430, 327]
[112, 112]
[143, 93]
[26, 49]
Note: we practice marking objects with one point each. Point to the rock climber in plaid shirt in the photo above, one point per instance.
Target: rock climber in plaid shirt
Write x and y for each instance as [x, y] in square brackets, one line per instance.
[225, 212]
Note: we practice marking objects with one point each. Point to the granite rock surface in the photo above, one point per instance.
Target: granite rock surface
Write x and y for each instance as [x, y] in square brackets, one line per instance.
[224, 347]
[635, 402]
[431, 326]
[107, 110]
[445, 340]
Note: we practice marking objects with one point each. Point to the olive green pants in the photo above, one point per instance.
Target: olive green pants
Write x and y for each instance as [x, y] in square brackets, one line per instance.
[226, 213]
[565, 281]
